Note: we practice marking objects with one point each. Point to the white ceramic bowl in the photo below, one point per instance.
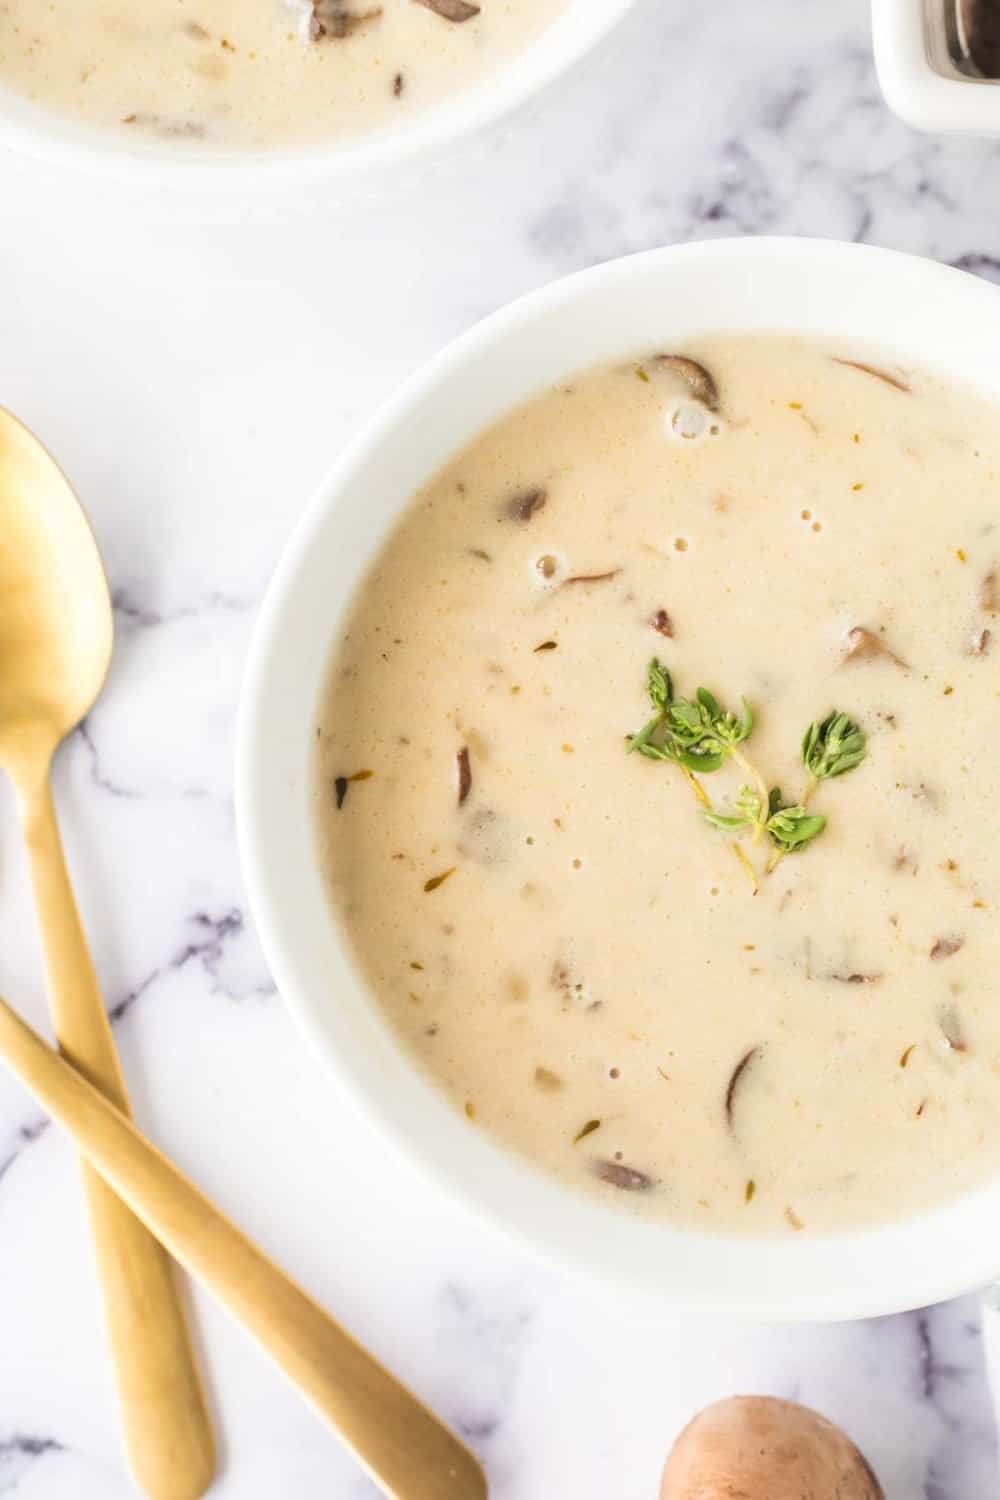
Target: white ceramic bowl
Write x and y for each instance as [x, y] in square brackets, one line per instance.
[913, 312]
[920, 82]
[452, 125]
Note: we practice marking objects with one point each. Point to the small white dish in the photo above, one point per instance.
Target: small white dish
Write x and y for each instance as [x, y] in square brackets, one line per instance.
[920, 80]
[355, 163]
[908, 311]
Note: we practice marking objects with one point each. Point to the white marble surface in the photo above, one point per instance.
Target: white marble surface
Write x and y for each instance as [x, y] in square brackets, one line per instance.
[195, 363]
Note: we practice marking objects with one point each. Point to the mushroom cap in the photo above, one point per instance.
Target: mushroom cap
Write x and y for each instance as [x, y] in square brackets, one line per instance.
[761, 1448]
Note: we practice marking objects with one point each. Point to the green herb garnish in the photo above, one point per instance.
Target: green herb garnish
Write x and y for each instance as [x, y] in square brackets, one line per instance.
[698, 735]
[701, 733]
[832, 746]
[792, 828]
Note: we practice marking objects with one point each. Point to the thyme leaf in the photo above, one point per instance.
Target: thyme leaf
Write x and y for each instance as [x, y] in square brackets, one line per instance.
[832, 746]
[792, 828]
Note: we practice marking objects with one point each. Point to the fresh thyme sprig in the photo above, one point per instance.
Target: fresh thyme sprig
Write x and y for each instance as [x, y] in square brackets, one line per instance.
[830, 747]
[698, 736]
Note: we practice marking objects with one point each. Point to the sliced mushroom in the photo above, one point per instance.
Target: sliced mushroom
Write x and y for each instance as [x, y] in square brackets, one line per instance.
[698, 380]
[989, 593]
[451, 10]
[735, 1079]
[865, 645]
[593, 577]
[333, 19]
[341, 783]
[980, 642]
[944, 947]
[857, 978]
[464, 774]
[522, 506]
[663, 624]
[620, 1176]
[883, 375]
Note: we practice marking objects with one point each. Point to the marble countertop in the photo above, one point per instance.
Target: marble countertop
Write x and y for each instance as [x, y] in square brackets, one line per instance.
[195, 363]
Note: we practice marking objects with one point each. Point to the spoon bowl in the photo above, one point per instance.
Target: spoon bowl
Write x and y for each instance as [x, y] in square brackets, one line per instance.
[55, 609]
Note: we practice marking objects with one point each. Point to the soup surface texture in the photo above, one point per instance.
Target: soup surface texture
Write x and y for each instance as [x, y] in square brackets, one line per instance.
[256, 72]
[569, 948]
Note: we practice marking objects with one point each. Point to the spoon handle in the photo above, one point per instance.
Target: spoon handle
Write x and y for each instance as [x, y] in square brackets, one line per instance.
[403, 1447]
[168, 1432]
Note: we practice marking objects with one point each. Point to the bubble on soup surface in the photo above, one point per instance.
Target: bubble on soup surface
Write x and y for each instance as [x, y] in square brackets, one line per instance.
[691, 422]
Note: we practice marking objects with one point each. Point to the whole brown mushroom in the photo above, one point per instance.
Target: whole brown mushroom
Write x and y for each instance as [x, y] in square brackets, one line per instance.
[760, 1448]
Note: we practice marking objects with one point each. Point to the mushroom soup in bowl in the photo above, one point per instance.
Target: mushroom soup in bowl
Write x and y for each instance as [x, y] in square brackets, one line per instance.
[310, 82]
[605, 959]
[649, 797]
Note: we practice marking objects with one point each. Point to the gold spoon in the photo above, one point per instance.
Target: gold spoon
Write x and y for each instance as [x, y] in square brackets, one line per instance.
[55, 646]
[403, 1447]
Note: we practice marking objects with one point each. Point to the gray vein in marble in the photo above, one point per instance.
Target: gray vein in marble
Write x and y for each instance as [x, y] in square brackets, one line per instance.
[100, 779]
[18, 1453]
[987, 266]
[485, 1334]
[934, 1371]
[208, 942]
[130, 615]
[97, 776]
[21, 1138]
[948, 1379]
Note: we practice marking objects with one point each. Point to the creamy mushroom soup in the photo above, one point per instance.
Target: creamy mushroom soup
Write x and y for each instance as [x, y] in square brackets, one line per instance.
[256, 72]
[558, 717]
